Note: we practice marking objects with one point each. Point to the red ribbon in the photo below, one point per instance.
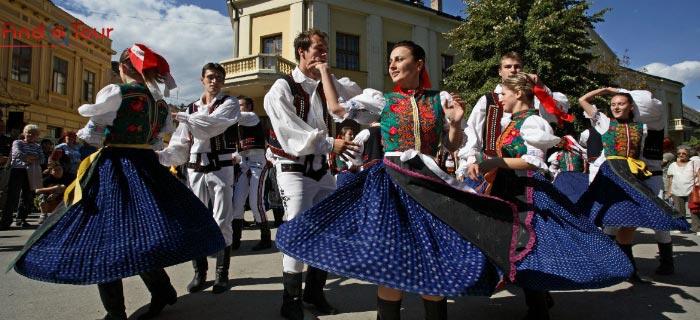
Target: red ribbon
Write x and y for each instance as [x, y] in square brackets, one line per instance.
[551, 106]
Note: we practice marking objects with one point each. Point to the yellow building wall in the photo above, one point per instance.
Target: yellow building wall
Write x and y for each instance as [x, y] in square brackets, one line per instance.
[269, 25]
[350, 23]
[47, 108]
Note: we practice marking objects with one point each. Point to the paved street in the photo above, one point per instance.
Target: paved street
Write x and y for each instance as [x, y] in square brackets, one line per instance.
[257, 291]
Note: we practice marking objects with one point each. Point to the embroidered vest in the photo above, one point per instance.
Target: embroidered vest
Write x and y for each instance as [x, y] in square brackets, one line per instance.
[251, 137]
[373, 149]
[570, 161]
[139, 118]
[492, 125]
[511, 144]
[623, 139]
[226, 142]
[302, 103]
[398, 125]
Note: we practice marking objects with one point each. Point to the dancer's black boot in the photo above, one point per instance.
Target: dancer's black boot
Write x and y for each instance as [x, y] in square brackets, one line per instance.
[200, 275]
[292, 307]
[388, 310]
[313, 292]
[223, 261]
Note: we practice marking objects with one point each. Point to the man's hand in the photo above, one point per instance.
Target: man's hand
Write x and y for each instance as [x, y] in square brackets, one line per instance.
[536, 79]
[344, 148]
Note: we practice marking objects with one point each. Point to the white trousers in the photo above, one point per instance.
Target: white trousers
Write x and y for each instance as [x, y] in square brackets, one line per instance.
[249, 185]
[298, 194]
[217, 187]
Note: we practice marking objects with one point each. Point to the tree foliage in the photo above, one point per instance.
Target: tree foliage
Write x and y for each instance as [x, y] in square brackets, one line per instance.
[551, 35]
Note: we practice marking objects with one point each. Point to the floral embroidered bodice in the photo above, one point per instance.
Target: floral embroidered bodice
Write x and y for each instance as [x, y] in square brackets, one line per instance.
[511, 144]
[570, 161]
[623, 139]
[139, 118]
[397, 121]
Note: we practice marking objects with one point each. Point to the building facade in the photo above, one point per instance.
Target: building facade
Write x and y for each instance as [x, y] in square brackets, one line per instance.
[50, 64]
[360, 36]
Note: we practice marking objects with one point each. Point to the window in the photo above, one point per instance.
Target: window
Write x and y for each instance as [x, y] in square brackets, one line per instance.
[446, 62]
[347, 51]
[88, 86]
[271, 45]
[21, 61]
[54, 132]
[60, 75]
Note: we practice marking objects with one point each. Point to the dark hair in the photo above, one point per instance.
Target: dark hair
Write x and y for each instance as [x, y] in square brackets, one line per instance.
[149, 75]
[416, 51]
[510, 55]
[303, 40]
[213, 66]
[248, 102]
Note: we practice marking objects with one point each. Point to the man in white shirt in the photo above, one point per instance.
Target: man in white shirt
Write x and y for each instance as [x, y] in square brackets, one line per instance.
[251, 149]
[487, 118]
[301, 142]
[207, 136]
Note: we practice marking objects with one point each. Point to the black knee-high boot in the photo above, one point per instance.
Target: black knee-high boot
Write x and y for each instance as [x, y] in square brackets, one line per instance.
[292, 307]
[435, 310]
[388, 310]
[200, 275]
[265, 237]
[223, 261]
[666, 266]
[278, 213]
[237, 225]
[313, 292]
[162, 292]
[635, 278]
[112, 296]
[537, 307]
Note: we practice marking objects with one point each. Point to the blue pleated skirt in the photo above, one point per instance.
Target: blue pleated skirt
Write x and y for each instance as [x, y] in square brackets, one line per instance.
[371, 230]
[134, 217]
[613, 201]
[568, 252]
[572, 184]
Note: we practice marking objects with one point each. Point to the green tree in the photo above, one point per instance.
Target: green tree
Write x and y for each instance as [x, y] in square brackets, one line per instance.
[551, 35]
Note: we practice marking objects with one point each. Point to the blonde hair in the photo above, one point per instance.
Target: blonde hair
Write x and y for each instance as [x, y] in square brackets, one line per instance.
[30, 127]
[521, 81]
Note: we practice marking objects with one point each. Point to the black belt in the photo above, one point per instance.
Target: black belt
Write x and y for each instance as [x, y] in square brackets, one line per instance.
[212, 166]
[657, 173]
[307, 168]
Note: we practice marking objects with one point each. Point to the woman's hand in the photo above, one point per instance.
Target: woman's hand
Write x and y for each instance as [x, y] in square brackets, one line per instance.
[473, 171]
[455, 110]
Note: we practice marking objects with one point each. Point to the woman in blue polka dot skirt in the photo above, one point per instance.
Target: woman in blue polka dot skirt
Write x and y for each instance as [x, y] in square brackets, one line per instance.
[563, 249]
[624, 191]
[125, 214]
[373, 227]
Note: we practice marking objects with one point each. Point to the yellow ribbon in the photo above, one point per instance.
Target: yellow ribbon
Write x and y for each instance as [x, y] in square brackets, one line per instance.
[74, 190]
[636, 166]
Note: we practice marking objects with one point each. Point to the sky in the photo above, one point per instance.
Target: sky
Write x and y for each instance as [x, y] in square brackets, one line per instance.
[662, 37]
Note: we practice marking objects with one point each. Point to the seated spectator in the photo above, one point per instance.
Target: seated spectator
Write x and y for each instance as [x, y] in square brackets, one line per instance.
[54, 184]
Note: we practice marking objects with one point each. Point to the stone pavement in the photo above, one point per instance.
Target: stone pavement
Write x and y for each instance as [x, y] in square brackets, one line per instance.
[257, 291]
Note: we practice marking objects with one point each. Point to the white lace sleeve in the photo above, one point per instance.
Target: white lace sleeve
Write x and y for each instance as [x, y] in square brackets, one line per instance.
[101, 114]
[538, 136]
[364, 108]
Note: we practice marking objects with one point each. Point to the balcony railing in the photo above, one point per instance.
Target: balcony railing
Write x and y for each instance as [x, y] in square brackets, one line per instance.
[267, 63]
[678, 124]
